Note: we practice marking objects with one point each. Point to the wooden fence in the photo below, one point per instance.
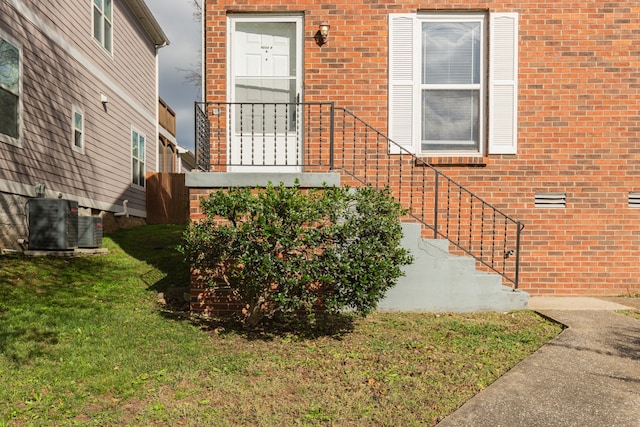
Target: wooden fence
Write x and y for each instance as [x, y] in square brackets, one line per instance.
[167, 198]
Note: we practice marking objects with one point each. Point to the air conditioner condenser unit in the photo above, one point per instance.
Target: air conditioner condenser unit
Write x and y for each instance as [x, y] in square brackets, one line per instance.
[53, 224]
[90, 232]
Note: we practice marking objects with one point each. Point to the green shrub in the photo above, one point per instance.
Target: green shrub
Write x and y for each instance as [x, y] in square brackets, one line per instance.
[285, 250]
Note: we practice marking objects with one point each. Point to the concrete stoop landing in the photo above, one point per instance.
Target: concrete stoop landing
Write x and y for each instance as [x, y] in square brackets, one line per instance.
[438, 281]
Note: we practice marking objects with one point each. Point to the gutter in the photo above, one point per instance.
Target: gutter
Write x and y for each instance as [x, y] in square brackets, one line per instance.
[149, 23]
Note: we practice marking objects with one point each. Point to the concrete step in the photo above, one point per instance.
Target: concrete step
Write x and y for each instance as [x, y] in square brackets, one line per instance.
[438, 281]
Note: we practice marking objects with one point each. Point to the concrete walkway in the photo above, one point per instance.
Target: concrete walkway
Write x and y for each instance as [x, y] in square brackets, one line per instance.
[588, 376]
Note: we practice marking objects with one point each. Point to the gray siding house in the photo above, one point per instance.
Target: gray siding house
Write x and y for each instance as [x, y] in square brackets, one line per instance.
[78, 106]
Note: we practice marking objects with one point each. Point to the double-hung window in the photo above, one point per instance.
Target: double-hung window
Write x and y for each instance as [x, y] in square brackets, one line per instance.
[452, 85]
[77, 123]
[10, 92]
[103, 23]
[137, 158]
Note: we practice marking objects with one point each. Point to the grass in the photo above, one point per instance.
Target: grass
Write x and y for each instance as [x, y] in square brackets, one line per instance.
[84, 342]
[631, 313]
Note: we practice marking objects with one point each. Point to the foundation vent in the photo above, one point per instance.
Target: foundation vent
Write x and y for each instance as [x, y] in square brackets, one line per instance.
[634, 200]
[551, 200]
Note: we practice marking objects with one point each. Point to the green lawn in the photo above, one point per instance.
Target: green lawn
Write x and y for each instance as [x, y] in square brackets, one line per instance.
[84, 341]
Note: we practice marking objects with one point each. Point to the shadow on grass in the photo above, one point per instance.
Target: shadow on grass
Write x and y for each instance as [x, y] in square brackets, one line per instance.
[156, 245]
[168, 274]
[334, 326]
[22, 345]
[39, 294]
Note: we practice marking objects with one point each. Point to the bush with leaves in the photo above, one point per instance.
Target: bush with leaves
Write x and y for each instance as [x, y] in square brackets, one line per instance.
[285, 250]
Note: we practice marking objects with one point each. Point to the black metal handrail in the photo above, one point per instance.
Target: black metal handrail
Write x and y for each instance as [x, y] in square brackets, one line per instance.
[328, 138]
[284, 135]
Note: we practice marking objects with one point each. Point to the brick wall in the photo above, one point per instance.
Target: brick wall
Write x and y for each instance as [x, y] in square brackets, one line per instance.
[578, 122]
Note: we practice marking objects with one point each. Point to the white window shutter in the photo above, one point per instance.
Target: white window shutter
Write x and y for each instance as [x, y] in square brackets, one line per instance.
[503, 83]
[401, 81]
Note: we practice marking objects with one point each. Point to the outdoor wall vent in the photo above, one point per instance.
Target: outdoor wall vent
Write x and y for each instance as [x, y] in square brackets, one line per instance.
[634, 200]
[551, 200]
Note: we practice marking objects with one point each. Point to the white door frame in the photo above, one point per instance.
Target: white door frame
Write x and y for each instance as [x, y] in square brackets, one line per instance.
[232, 150]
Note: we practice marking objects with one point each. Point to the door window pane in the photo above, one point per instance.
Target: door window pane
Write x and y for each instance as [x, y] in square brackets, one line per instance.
[265, 73]
[268, 49]
[259, 114]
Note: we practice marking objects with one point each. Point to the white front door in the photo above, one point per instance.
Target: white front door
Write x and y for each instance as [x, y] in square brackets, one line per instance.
[265, 75]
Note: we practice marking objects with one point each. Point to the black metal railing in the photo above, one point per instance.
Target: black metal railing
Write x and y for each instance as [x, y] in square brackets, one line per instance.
[202, 137]
[321, 137]
[287, 136]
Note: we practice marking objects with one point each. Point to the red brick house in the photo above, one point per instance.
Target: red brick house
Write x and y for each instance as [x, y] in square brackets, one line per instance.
[533, 107]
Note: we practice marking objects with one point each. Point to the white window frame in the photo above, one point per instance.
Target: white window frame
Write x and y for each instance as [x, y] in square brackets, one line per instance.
[480, 87]
[100, 9]
[138, 158]
[500, 102]
[74, 129]
[4, 137]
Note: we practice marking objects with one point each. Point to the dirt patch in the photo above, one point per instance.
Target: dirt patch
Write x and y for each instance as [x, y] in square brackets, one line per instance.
[175, 300]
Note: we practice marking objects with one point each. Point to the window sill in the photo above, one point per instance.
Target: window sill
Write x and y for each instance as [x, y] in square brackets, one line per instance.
[476, 161]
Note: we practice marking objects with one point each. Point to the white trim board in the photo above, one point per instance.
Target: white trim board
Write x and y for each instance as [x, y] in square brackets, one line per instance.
[28, 190]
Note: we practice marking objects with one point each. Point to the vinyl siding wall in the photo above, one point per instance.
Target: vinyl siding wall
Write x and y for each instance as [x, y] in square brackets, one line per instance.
[63, 66]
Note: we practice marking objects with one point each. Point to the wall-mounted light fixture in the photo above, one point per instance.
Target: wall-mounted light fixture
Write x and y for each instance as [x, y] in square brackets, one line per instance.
[104, 101]
[323, 33]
